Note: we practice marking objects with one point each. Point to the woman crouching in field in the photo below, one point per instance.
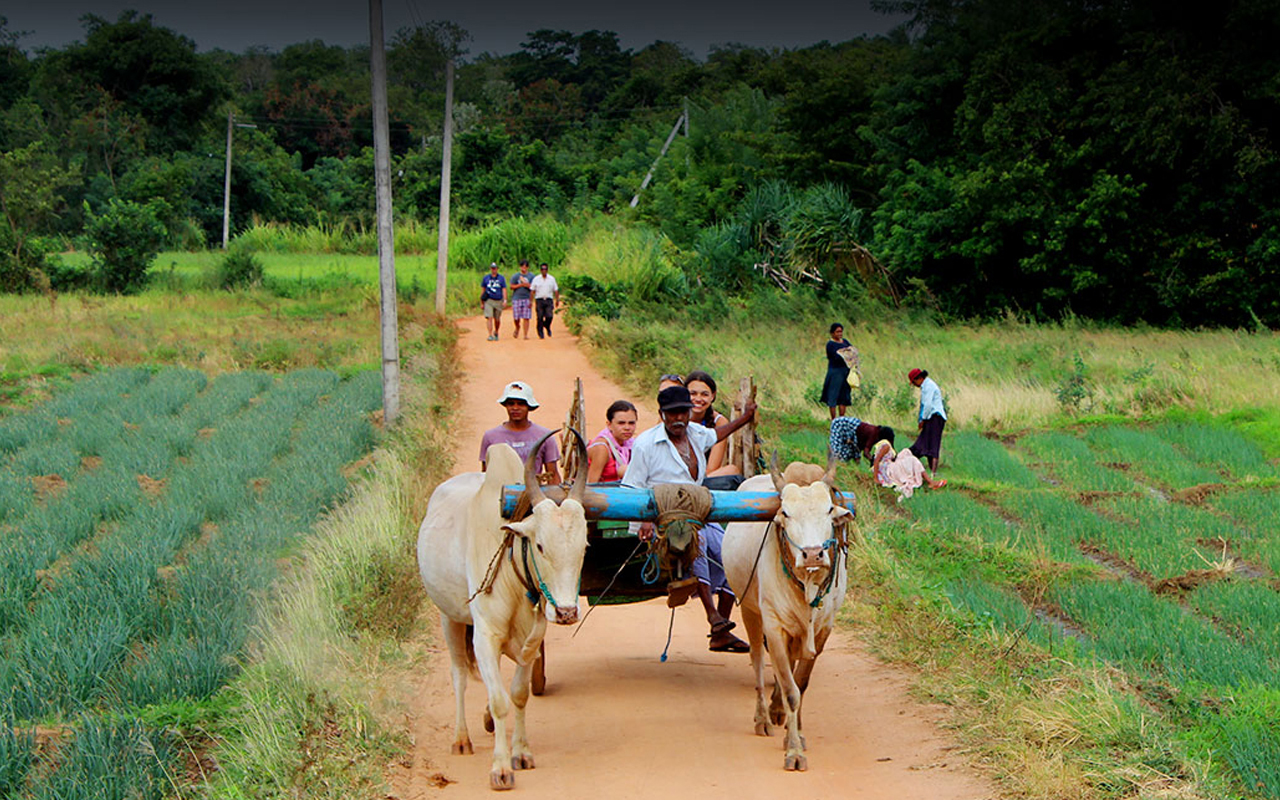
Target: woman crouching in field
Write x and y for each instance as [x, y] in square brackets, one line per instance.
[900, 471]
[610, 450]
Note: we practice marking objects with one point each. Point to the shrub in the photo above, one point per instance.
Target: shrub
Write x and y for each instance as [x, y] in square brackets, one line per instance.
[124, 239]
[239, 268]
[1074, 389]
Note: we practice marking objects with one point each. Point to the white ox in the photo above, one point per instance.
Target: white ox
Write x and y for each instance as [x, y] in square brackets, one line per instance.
[790, 575]
[497, 584]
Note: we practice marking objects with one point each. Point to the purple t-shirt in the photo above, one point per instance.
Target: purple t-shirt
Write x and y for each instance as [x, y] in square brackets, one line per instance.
[521, 442]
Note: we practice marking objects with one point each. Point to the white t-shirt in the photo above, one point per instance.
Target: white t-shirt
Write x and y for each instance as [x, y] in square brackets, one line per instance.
[544, 288]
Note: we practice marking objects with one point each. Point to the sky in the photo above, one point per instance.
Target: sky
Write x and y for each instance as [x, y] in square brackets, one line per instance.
[497, 26]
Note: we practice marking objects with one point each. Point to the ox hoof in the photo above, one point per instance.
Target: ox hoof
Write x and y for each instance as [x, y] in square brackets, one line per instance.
[462, 748]
[500, 780]
[764, 729]
[488, 720]
[522, 761]
[795, 763]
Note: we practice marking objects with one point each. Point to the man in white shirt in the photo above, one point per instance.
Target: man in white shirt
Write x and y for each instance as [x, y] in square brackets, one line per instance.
[676, 452]
[546, 296]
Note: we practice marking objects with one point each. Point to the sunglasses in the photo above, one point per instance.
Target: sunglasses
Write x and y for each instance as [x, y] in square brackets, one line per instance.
[677, 378]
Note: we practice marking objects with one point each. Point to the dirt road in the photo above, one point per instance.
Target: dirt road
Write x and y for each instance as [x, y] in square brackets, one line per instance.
[615, 722]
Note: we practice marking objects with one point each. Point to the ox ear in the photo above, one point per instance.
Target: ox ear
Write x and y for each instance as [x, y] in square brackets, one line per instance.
[524, 528]
[838, 513]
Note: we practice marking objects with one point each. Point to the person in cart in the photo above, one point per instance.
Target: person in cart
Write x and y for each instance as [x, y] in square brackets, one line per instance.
[676, 452]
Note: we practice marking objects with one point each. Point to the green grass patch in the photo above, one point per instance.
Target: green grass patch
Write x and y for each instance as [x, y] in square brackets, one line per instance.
[975, 459]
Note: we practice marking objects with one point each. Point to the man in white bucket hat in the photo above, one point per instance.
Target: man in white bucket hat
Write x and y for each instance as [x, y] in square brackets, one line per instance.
[517, 398]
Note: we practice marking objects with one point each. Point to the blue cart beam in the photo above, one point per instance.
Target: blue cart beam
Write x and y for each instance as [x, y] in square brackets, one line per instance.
[636, 505]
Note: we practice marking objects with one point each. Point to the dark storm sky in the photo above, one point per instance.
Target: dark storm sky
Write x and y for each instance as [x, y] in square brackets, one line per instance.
[497, 26]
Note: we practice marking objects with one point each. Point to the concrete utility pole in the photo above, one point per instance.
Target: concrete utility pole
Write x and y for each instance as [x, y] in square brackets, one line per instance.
[386, 244]
[683, 120]
[226, 181]
[442, 243]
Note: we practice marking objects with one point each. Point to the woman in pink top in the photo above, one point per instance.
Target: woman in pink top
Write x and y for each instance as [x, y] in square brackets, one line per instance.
[610, 450]
[900, 471]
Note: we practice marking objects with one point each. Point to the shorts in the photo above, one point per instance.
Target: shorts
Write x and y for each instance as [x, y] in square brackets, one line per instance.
[708, 567]
[521, 309]
[493, 309]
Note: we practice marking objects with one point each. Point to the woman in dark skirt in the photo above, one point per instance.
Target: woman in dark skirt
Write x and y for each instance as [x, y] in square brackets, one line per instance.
[932, 418]
[835, 389]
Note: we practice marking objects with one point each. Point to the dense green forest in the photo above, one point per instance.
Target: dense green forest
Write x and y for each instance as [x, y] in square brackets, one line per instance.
[1116, 161]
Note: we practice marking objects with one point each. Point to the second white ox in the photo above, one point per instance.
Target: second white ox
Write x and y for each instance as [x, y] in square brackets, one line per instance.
[790, 575]
[497, 584]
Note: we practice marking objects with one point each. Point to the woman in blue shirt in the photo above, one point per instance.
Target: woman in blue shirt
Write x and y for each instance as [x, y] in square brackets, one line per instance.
[835, 389]
[933, 417]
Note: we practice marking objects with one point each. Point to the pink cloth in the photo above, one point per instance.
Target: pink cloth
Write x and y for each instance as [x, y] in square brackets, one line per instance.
[902, 472]
[621, 452]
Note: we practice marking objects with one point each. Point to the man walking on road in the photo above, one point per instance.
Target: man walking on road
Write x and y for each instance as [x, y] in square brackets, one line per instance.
[521, 302]
[517, 398]
[546, 296]
[493, 298]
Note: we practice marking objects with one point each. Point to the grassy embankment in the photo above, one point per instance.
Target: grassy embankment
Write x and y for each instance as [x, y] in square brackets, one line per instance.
[311, 706]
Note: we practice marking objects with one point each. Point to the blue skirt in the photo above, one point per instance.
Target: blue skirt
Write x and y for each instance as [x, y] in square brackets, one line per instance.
[835, 389]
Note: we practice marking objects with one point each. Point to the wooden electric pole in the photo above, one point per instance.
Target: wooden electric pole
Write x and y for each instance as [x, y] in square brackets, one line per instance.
[226, 179]
[442, 243]
[386, 243]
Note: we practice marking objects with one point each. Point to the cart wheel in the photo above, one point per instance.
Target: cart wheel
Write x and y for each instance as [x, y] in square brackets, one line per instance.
[539, 680]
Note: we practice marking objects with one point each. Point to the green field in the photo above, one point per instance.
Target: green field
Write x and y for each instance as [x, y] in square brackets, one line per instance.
[1100, 554]
[144, 510]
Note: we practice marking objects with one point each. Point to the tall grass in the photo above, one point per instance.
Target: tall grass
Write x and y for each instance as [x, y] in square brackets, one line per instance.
[638, 258]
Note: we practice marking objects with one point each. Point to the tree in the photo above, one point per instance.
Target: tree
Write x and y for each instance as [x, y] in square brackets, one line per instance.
[30, 183]
[152, 72]
[124, 238]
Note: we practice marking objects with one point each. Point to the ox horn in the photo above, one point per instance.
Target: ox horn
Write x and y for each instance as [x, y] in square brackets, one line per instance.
[531, 485]
[579, 490]
[829, 478]
[774, 473]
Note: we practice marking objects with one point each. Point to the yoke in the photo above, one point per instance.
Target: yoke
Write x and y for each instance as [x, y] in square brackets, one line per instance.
[622, 504]
[611, 557]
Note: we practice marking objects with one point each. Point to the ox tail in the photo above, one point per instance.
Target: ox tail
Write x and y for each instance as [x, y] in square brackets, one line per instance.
[471, 652]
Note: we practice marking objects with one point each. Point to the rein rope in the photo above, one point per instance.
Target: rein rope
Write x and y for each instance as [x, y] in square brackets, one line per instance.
[683, 509]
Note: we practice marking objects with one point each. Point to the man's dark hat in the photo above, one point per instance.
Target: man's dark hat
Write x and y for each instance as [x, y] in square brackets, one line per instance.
[674, 398]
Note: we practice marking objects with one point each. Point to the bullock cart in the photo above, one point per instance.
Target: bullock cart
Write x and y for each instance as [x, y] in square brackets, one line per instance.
[617, 567]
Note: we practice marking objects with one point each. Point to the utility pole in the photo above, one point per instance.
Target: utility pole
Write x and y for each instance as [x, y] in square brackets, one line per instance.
[386, 243]
[683, 120]
[226, 180]
[442, 242]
